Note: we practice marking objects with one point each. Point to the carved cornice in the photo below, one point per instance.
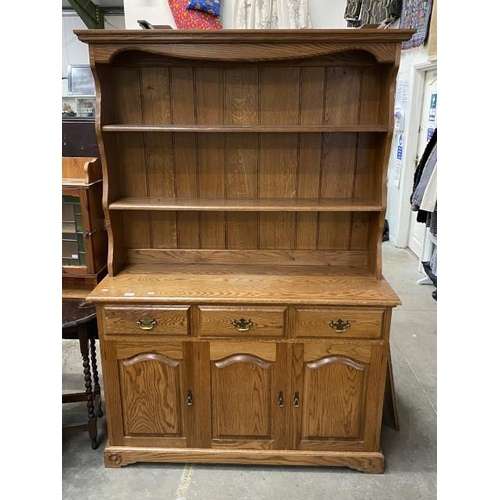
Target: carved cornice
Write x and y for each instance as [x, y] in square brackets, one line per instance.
[243, 45]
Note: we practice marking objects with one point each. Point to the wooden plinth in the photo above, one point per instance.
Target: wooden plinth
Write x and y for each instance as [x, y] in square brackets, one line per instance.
[370, 462]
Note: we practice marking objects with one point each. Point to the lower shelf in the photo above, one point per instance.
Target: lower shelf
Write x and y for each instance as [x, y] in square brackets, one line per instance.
[370, 462]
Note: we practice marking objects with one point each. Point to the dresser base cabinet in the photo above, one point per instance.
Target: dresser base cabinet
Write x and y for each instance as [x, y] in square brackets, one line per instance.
[262, 381]
[244, 317]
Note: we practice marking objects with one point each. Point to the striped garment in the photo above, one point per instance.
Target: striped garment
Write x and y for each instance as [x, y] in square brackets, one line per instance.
[419, 191]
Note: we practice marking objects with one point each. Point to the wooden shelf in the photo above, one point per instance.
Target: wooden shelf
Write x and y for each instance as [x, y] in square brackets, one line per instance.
[76, 183]
[245, 128]
[263, 205]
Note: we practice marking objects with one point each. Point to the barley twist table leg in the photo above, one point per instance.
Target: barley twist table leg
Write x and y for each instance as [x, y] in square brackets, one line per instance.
[97, 387]
[84, 349]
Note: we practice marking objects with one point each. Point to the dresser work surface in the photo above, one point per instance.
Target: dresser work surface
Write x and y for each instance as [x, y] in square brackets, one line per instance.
[240, 284]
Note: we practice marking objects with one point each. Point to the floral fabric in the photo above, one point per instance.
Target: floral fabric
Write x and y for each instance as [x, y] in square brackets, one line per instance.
[193, 19]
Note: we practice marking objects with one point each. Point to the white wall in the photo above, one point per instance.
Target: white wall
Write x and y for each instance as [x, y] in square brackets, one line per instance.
[73, 51]
[328, 14]
[76, 52]
[399, 192]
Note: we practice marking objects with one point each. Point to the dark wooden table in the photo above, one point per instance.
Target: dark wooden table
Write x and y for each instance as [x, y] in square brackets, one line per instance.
[79, 322]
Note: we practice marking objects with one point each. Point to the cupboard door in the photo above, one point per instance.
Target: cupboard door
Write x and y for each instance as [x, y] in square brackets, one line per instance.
[337, 390]
[153, 392]
[248, 394]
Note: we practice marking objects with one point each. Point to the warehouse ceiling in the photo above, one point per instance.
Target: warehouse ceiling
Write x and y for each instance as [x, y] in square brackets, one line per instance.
[92, 12]
[100, 3]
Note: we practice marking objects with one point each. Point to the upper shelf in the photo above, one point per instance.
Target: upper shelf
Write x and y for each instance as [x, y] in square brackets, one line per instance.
[245, 128]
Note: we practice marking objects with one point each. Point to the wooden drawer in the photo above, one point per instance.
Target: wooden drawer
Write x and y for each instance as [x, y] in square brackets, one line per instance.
[229, 321]
[149, 320]
[341, 322]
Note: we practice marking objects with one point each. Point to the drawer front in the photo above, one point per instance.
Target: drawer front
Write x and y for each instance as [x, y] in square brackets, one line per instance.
[146, 320]
[339, 322]
[241, 321]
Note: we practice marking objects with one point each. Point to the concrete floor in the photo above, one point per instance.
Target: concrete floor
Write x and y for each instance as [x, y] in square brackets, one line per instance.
[411, 454]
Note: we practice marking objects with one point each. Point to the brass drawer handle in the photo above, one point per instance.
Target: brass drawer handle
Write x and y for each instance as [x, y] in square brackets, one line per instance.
[340, 326]
[189, 399]
[242, 325]
[146, 323]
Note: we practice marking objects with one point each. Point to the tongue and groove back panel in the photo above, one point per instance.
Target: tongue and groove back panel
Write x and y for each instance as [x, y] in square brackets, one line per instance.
[289, 157]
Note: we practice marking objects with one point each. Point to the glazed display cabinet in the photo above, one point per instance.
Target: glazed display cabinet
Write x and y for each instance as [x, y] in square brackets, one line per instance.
[84, 239]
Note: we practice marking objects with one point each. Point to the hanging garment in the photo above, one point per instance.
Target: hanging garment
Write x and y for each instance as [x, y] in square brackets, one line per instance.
[272, 14]
[430, 274]
[423, 160]
[424, 201]
[359, 12]
[427, 174]
[433, 222]
[429, 199]
[424, 174]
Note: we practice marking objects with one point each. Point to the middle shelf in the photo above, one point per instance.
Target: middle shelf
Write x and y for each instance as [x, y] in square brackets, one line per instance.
[356, 128]
[246, 205]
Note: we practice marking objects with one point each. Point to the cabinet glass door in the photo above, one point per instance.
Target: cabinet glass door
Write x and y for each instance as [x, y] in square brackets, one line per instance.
[73, 245]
